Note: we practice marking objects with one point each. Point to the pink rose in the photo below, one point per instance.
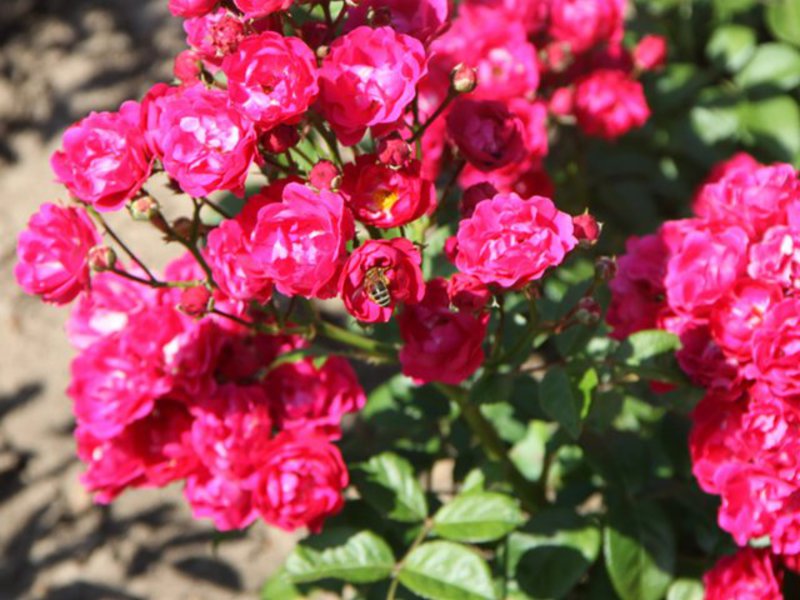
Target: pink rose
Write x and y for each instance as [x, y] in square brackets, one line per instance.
[379, 275]
[228, 257]
[215, 35]
[253, 9]
[510, 242]
[703, 267]
[305, 397]
[585, 23]
[439, 344]
[104, 160]
[473, 195]
[776, 258]
[368, 78]
[749, 574]
[650, 53]
[385, 197]
[187, 67]
[468, 293]
[226, 502]
[487, 133]
[422, 19]
[608, 104]
[191, 8]
[53, 253]
[202, 141]
[301, 481]
[272, 79]
[299, 242]
[776, 349]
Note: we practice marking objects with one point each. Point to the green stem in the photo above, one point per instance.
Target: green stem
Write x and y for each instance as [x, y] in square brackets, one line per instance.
[343, 336]
[423, 533]
[119, 242]
[492, 445]
[451, 95]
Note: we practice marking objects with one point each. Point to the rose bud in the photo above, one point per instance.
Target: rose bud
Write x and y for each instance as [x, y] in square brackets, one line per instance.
[650, 53]
[187, 67]
[463, 79]
[605, 268]
[314, 33]
[587, 230]
[195, 301]
[474, 194]
[468, 293]
[279, 139]
[487, 133]
[144, 208]
[562, 103]
[378, 275]
[102, 258]
[588, 311]
[325, 176]
[394, 151]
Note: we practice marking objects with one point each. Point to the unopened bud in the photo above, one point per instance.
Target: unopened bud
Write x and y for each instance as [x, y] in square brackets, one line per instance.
[463, 79]
[325, 176]
[475, 194]
[314, 33]
[588, 311]
[279, 139]
[394, 151]
[195, 301]
[102, 258]
[143, 208]
[587, 230]
[605, 268]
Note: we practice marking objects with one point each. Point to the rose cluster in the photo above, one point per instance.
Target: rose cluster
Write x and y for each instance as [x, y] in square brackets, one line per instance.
[726, 282]
[334, 132]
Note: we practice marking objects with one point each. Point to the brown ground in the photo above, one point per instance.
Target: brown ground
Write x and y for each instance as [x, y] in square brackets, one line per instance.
[60, 59]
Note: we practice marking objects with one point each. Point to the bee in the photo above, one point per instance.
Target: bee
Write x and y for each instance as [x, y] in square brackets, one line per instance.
[377, 287]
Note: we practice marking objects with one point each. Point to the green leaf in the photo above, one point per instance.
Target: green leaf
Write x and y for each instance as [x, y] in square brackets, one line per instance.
[387, 482]
[559, 402]
[280, 587]
[686, 589]
[553, 554]
[319, 355]
[639, 547]
[528, 454]
[447, 571]
[774, 124]
[783, 20]
[773, 65]
[363, 558]
[477, 517]
[731, 46]
[725, 9]
[651, 354]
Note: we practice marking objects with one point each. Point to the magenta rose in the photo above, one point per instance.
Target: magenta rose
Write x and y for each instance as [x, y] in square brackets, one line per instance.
[368, 78]
[776, 349]
[486, 132]
[226, 502]
[386, 197]
[749, 574]
[608, 104]
[311, 398]
[191, 8]
[650, 53]
[300, 482]
[104, 160]
[254, 9]
[776, 258]
[202, 141]
[228, 257]
[439, 344]
[390, 266]
[299, 242]
[272, 79]
[422, 19]
[215, 35]
[583, 24]
[510, 242]
[53, 253]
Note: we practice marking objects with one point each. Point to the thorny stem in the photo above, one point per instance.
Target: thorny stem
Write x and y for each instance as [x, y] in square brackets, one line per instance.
[119, 242]
[216, 208]
[493, 445]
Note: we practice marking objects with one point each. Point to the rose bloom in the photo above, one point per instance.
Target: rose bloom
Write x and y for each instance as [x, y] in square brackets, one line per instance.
[703, 267]
[253, 9]
[439, 344]
[187, 67]
[776, 258]
[368, 78]
[215, 35]
[585, 23]
[228, 257]
[749, 574]
[422, 19]
[776, 349]
[53, 252]
[191, 8]
[608, 104]
[392, 264]
[510, 242]
[301, 481]
[468, 293]
[739, 314]
[202, 141]
[305, 397]
[104, 160]
[226, 502]
[299, 242]
[272, 79]
[385, 197]
[487, 133]
[650, 53]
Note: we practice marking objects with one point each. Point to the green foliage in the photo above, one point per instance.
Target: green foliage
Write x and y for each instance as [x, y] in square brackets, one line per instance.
[477, 517]
[447, 571]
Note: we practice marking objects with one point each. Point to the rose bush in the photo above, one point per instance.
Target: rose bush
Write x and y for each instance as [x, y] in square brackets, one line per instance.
[407, 336]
